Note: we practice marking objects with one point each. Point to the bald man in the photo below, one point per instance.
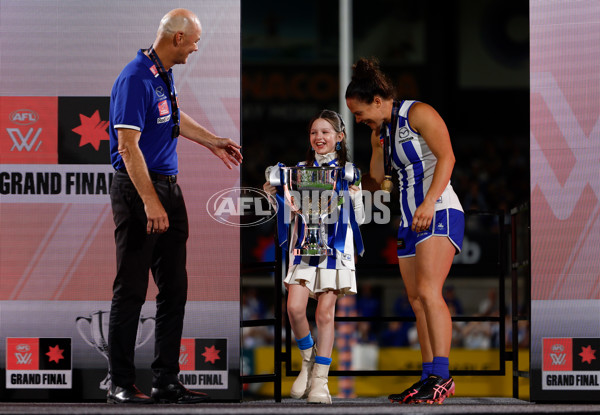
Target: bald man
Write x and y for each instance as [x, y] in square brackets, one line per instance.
[149, 211]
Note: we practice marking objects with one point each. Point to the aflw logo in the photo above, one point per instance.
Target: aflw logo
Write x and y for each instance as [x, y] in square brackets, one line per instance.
[183, 355]
[30, 139]
[24, 142]
[23, 358]
[183, 359]
[23, 355]
[558, 359]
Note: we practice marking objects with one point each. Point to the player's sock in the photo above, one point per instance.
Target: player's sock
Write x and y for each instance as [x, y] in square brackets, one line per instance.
[440, 367]
[427, 368]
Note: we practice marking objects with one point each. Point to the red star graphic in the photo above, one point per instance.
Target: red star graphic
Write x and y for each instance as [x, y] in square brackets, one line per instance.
[92, 130]
[211, 354]
[55, 354]
[587, 354]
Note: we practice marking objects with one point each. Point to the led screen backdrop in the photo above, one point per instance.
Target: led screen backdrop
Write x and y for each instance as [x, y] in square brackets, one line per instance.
[565, 200]
[58, 61]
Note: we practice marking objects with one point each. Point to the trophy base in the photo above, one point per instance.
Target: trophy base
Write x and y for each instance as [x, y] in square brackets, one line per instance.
[316, 251]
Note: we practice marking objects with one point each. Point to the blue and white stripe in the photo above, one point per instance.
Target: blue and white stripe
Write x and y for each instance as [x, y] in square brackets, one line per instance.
[415, 163]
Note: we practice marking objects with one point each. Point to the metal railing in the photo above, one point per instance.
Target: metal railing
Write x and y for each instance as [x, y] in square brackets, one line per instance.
[279, 268]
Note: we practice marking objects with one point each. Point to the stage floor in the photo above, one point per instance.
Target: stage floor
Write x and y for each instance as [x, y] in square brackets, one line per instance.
[289, 406]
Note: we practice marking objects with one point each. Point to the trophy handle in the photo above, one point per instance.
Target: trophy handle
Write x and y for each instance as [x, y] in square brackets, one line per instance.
[140, 341]
[287, 180]
[78, 323]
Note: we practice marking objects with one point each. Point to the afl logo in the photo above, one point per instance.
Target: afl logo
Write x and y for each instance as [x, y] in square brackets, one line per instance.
[242, 207]
[24, 117]
[23, 348]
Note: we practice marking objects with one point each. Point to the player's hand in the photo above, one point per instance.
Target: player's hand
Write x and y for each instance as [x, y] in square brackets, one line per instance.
[423, 217]
[353, 189]
[268, 188]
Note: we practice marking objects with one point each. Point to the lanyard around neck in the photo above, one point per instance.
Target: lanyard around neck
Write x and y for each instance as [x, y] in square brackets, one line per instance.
[168, 81]
[389, 135]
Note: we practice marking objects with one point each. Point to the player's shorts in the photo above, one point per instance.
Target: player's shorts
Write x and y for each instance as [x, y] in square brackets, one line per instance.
[446, 222]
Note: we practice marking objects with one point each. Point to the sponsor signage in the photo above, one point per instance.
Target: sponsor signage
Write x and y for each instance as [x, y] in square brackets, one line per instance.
[38, 363]
[571, 364]
[203, 363]
[29, 132]
[83, 130]
[55, 150]
[58, 183]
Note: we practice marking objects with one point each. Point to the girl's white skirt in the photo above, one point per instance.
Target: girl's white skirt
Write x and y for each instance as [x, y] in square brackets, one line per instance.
[319, 280]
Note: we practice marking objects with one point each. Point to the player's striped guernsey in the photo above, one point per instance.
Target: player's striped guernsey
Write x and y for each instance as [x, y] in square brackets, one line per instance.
[415, 163]
[340, 260]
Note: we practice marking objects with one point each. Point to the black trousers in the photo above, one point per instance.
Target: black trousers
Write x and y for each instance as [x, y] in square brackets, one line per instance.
[137, 254]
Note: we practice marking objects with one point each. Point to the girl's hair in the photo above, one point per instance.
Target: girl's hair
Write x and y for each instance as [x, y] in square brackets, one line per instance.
[338, 125]
[367, 81]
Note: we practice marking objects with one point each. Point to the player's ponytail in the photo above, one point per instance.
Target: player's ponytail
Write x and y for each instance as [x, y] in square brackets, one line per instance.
[367, 81]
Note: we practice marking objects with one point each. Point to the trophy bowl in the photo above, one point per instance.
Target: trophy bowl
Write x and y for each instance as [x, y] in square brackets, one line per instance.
[310, 192]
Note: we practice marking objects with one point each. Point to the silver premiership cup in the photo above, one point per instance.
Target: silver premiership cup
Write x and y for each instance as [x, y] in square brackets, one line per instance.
[310, 192]
[94, 331]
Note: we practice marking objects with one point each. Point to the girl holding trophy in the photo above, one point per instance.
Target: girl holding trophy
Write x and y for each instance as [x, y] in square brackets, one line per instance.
[322, 277]
[411, 138]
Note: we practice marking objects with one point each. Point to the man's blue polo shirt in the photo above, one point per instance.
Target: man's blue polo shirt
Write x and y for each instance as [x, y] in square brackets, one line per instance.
[140, 101]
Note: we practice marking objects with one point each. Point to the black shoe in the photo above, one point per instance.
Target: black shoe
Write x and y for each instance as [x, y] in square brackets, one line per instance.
[435, 390]
[131, 394]
[406, 396]
[177, 393]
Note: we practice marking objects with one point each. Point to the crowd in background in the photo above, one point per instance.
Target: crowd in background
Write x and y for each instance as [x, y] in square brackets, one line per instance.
[480, 335]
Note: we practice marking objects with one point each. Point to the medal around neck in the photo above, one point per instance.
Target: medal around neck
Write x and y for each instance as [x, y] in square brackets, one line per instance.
[387, 134]
[387, 185]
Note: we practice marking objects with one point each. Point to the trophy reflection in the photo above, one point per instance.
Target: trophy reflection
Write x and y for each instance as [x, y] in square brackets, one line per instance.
[310, 192]
[94, 331]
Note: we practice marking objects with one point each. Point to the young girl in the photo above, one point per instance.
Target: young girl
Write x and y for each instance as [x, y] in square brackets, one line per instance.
[411, 138]
[323, 278]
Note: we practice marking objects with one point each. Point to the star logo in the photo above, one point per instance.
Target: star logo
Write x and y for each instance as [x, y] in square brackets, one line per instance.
[55, 354]
[92, 130]
[211, 354]
[587, 354]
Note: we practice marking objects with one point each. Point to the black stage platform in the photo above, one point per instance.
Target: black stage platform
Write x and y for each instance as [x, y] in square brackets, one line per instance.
[289, 406]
